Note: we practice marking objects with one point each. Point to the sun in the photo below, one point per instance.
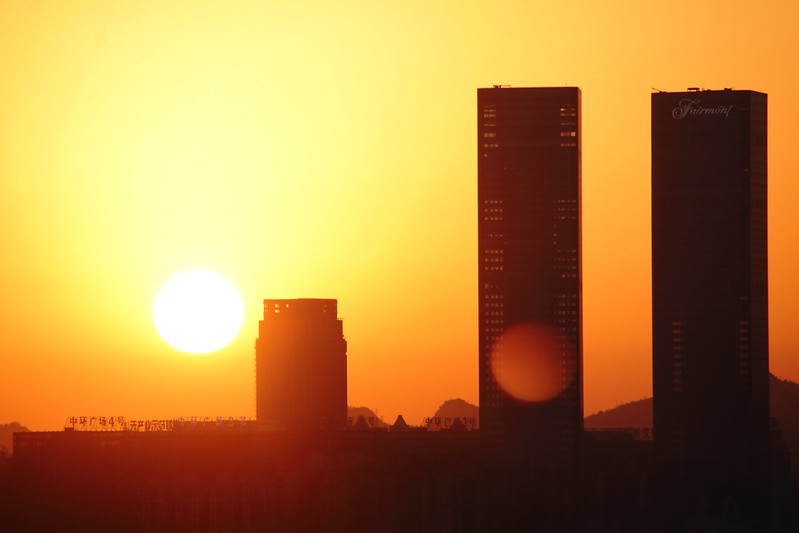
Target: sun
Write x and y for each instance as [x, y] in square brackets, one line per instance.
[198, 312]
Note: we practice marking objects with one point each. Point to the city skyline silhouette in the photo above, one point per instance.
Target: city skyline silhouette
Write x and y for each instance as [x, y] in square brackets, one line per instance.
[713, 460]
[576, 248]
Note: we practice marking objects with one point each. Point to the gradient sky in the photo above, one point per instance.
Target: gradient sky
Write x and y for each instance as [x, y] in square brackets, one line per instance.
[302, 149]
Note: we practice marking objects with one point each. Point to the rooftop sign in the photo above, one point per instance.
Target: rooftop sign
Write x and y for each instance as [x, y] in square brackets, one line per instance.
[119, 423]
[691, 107]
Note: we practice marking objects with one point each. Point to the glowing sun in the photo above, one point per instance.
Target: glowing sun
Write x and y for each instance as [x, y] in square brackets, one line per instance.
[198, 312]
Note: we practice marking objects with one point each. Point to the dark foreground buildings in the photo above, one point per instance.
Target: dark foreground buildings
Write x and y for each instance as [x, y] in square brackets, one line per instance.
[240, 478]
[710, 310]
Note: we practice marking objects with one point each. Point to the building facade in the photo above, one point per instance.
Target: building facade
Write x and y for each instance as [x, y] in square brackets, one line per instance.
[710, 308]
[530, 295]
[301, 365]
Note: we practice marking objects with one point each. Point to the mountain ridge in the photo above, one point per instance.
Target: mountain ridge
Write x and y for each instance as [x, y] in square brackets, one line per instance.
[783, 406]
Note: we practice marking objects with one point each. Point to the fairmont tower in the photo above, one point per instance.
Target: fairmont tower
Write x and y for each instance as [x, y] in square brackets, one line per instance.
[710, 308]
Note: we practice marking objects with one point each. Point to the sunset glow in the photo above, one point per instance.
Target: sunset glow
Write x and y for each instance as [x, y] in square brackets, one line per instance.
[198, 312]
[328, 150]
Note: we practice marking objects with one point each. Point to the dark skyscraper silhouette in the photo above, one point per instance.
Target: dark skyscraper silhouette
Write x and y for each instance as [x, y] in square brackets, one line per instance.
[530, 345]
[710, 309]
[301, 365]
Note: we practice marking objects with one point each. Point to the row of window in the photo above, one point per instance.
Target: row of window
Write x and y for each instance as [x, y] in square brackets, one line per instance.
[568, 111]
[677, 368]
[565, 304]
[493, 134]
[496, 145]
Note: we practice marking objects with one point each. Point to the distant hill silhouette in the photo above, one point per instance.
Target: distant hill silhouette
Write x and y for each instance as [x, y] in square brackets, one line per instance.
[457, 408]
[368, 415]
[637, 414]
[7, 435]
[784, 404]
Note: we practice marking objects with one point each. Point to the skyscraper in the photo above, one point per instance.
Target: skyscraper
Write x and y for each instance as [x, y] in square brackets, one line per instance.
[530, 297]
[301, 365]
[710, 307]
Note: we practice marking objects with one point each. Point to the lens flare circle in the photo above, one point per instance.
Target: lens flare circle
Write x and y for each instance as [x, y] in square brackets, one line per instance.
[198, 312]
[526, 364]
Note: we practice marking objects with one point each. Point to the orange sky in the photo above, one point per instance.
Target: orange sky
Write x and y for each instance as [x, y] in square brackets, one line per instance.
[306, 150]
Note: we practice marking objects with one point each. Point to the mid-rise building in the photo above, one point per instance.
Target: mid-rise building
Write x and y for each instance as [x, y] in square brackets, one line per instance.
[301, 365]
